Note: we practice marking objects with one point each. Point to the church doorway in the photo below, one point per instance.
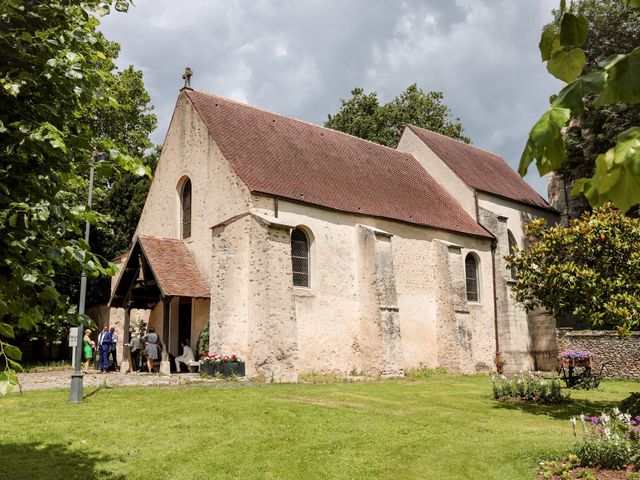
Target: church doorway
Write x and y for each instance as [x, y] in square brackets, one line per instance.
[184, 320]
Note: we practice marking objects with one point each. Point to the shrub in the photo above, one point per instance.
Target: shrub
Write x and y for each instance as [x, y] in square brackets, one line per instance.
[606, 453]
[608, 441]
[528, 387]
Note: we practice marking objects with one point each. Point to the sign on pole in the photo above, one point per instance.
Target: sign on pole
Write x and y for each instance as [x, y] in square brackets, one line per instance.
[73, 337]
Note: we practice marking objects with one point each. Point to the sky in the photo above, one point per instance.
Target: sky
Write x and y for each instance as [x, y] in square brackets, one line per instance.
[299, 58]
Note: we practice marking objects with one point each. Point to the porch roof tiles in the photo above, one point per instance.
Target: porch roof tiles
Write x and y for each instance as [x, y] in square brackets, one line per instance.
[174, 268]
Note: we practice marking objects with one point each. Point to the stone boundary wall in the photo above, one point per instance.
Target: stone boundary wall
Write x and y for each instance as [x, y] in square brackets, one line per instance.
[621, 354]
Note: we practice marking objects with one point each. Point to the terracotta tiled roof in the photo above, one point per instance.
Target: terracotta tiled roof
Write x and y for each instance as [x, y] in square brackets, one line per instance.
[297, 160]
[173, 267]
[481, 170]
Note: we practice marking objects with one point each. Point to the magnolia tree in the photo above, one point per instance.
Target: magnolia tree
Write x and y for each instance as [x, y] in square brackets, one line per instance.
[590, 269]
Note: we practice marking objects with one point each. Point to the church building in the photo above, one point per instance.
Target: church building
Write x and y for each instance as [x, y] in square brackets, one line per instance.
[309, 250]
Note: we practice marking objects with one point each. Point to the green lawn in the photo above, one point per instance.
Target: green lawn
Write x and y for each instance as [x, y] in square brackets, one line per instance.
[445, 427]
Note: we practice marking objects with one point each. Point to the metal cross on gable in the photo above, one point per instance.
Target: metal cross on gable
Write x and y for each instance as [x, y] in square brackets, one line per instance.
[186, 76]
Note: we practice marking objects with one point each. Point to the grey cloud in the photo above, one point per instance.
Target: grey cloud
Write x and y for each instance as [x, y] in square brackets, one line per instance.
[299, 57]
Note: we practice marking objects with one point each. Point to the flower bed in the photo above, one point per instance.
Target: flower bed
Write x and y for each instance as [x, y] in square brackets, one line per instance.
[606, 443]
[528, 387]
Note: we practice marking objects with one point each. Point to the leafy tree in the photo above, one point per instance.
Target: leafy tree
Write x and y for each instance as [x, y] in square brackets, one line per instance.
[594, 83]
[613, 27]
[118, 197]
[590, 269]
[54, 67]
[364, 117]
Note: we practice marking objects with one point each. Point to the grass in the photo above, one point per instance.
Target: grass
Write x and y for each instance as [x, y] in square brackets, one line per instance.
[430, 427]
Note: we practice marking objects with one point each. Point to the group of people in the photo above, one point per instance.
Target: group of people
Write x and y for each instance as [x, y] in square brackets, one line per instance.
[147, 347]
[106, 349]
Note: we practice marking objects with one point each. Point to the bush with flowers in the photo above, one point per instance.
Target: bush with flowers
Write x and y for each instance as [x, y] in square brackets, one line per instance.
[222, 365]
[528, 387]
[608, 440]
[217, 358]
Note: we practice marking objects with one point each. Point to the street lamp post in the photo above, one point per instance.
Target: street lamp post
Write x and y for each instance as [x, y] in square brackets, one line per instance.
[75, 393]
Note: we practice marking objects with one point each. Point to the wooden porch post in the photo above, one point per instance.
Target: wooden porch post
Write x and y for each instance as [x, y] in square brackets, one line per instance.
[125, 364]
[165, 366]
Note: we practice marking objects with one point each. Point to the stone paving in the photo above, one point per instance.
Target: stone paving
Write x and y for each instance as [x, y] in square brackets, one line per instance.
[62, 379]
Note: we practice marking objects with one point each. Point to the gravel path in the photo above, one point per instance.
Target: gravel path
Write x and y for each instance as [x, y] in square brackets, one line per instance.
[62, 379]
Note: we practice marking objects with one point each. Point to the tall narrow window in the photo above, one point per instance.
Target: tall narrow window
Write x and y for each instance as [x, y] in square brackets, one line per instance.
[300, 257]
[185, 203]
[471, 274]
[513, 245]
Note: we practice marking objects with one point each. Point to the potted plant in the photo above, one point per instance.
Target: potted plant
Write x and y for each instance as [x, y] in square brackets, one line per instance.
[225, 365]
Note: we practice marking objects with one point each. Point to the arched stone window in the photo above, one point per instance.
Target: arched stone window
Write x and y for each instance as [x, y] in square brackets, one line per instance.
[512, 248]
[185, 208]
[471, 275]
[300, 257]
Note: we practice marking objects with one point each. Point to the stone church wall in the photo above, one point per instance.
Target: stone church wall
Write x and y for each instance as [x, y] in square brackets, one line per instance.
[217, 192]
[526, 340]
[351, 319]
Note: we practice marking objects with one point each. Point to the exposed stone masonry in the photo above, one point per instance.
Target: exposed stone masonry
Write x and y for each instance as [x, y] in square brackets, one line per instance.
[621, 354]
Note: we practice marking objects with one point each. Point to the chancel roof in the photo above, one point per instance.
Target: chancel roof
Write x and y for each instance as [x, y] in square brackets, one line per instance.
[279, 156]
[481, 170]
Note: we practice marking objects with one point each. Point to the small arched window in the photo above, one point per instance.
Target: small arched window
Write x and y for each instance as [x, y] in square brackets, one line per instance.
[471, 274]
[513, 245]
[300, 257]
[185, 205]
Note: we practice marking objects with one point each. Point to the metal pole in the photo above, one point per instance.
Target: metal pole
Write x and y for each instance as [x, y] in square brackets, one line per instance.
[75, 393]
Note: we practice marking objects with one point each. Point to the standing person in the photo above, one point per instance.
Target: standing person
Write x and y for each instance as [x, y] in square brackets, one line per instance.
[87, 349]
[186, 357]
[112, 349]
[151, 349]
[136, 346]
[104, 344]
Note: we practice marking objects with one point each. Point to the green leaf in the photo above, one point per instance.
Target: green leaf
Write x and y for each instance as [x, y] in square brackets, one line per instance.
[567, 64]
[617, 173]
[545, 143]
[573, 30]
[73, 73]
[12, 88]
[12, 352]
[626, 192]
[627, 148]
[549, 44]
[3, 129]
[549, 127]
[103, 10]
[15, 366]
[122, 6]
[633, 3]
[30, 278]
[622, 81]
[6, 330]
[572, 95]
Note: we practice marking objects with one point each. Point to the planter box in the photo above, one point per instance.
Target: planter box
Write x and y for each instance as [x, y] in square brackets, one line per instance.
[224, 369]
[570, 363]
